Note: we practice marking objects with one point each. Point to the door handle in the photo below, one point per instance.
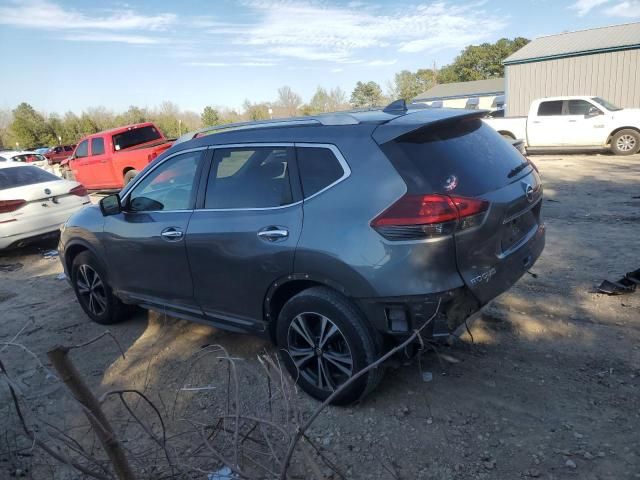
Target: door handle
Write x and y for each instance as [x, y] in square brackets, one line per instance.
[535, 121]
[273, 233]
[171, 234]
[572, 121]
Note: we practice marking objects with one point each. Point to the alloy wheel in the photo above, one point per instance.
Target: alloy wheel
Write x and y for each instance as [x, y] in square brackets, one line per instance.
[626, 143]
[320, 351]
[92, 290]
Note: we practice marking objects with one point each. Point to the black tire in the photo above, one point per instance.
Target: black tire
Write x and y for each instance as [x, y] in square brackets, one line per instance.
[353, 338]
[625, 142]
[129, 176]
[96, 299]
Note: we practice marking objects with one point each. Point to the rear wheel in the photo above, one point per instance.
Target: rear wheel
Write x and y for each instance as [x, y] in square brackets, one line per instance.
[625, 142]
[129, 176]
[324, 340]
[94, 293]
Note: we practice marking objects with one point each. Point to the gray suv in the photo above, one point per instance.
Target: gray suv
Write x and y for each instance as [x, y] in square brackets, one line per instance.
[334, 235]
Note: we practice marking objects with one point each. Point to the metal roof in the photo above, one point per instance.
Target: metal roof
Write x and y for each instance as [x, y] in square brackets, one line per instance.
[475, 88]
[582, 42]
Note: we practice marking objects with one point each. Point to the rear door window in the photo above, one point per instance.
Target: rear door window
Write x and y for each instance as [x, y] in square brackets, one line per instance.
[546, 109]
[319, 168]
[83, 149]
[249, 177]
[97, 146]
[21, 176]
[464, 157]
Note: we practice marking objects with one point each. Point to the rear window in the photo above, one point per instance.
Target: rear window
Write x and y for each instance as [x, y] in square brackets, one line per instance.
[20, 176]
[465, 158]
[319, 168]
[134, 137]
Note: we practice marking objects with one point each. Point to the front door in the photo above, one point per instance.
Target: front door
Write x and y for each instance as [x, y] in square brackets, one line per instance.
[101, 165]
[244, 238]
[585, 124]
[146, 242]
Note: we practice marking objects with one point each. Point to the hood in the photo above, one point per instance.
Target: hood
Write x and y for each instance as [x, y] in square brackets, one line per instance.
[632, 114]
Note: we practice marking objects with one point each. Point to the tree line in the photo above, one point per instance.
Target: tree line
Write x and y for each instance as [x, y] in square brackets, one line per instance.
[25, 127]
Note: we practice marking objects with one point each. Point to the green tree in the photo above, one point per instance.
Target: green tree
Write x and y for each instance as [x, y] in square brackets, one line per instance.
[30, 129]
[132, 115]
[408, 85]
[367, 95]
[210, 117]
[479, 62]
[324, 101]
[255, 111]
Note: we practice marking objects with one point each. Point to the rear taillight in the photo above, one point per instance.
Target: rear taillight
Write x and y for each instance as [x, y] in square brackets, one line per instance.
[80, 191]
[152, 156]
[416, 217]
[7, 206]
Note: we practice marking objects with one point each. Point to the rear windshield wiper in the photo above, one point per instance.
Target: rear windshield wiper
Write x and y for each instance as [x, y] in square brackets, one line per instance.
[516, 170]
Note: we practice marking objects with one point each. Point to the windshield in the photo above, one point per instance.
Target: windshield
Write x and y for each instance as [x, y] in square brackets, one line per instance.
[136, 136]
[24, 175]
[609, 106]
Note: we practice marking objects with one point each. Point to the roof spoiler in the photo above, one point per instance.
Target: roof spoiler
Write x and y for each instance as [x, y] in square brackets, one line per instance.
[414, 120]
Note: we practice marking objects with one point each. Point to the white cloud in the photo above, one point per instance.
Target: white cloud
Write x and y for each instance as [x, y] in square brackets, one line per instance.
[628, 9]
[585, 6]
[47, 15]
[231, 64]
[380, 63]
[318, 31]
[113, 38]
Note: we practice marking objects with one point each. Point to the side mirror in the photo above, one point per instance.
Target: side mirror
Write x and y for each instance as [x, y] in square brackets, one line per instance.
[593, 112]
[110, 205]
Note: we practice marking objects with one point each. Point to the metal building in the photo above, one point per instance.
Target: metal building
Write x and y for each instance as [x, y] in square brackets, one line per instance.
[477, 94]
[600, 61]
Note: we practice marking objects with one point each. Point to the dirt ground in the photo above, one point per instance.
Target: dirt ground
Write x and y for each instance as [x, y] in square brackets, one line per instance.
[548, 387]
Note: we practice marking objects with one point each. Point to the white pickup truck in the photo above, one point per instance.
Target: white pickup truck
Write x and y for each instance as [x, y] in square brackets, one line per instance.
[574, 122]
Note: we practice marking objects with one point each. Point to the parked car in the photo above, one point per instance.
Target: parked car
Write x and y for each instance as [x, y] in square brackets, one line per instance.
[574, 122]
[402, 209]
[23, 157]
[59, 153]
[111, 159]
[34, 203]
[41, 150]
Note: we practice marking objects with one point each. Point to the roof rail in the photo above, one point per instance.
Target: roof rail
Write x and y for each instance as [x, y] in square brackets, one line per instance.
[325, 119]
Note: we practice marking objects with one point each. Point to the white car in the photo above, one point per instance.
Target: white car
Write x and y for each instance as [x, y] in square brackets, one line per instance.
[579, 122]
[34, 203]
[31, 158]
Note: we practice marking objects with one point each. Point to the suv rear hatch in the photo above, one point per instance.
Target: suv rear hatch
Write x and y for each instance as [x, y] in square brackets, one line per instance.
[464, 180]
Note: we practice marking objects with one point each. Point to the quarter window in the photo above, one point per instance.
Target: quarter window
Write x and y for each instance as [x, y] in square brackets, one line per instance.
[251, 177]
[83, 149]
[318, 167]
[171, 186]
[97, 146]
[550, 108]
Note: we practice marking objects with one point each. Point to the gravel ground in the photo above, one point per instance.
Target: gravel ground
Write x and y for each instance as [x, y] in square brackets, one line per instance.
[546, 386]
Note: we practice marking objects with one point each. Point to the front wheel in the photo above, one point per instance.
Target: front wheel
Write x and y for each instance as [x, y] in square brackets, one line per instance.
[625, 142]
[94, 293]
[129, 176]
[324, 340]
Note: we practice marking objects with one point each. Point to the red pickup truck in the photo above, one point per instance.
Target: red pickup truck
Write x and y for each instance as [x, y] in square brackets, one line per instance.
[58, 154]
[112, 158]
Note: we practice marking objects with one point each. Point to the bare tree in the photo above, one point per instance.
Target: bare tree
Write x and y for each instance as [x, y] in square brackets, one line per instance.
[289, 100]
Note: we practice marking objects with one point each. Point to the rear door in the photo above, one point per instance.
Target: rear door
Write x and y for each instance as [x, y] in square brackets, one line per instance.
[467, 159]
[546, 127]
[145, 243]
[244, 237]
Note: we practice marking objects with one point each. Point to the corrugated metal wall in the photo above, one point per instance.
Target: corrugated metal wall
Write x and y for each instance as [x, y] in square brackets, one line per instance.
[614, 76]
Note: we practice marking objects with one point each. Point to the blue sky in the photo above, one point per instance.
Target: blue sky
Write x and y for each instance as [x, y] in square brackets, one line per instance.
[64, 55]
